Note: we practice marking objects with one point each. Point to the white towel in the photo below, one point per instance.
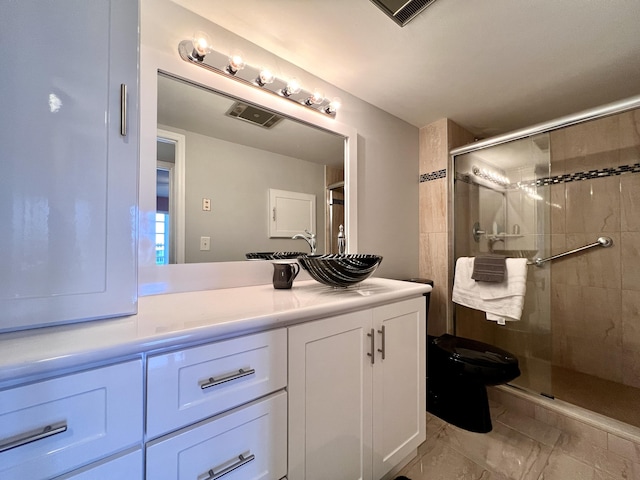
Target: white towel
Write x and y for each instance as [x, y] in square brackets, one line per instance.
[501, 301]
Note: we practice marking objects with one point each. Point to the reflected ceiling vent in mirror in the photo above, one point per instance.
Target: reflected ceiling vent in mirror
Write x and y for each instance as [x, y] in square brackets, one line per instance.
[402, 11]
[254, 115]
[198, 51]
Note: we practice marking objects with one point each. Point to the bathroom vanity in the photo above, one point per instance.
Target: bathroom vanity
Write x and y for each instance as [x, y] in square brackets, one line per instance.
[256, 382]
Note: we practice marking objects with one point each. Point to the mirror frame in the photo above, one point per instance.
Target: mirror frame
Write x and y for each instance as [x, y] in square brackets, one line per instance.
[159, 279]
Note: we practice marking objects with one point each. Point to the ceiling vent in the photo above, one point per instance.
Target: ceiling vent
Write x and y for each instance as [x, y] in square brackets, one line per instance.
[402, 11]
[254, 115]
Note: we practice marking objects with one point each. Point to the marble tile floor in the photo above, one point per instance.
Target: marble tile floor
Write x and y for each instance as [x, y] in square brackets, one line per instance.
[519, 448]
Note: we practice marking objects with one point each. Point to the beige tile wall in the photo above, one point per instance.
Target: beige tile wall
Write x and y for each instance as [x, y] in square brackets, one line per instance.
[436, 140]
[595, 297]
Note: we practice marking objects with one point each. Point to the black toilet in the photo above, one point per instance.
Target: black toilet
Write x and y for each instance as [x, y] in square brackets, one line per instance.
[458, 371]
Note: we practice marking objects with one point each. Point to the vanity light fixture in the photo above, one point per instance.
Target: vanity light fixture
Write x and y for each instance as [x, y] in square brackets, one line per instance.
[334, 106]
[265, 77]
[293, 87]
[199, 51]
[201, 45]
[316, 98]
[236, 63]
[490, 175]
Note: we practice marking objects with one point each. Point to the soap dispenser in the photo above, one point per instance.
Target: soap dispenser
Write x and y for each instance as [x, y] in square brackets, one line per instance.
[342, 241]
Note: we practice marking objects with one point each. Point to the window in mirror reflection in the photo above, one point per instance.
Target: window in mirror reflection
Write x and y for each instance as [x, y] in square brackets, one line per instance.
[162, 240]
[164, 202]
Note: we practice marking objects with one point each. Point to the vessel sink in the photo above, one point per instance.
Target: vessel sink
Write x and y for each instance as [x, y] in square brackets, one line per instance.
[340, 270]
[273, 255]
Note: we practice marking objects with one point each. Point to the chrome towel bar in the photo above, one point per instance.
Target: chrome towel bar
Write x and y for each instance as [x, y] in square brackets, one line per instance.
[601, 242]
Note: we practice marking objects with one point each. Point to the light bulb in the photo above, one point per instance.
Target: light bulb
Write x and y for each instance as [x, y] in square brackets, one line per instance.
[265, 77]
[316, 98]
[292, 87]
[236, 62]
[201, 45]
[333, 106]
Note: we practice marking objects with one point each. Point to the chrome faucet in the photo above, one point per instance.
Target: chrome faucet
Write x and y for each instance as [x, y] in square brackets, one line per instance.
[308, 237]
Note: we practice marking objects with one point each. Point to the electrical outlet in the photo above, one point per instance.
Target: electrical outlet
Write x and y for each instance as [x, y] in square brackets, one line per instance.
[205, 243]
[206, 205]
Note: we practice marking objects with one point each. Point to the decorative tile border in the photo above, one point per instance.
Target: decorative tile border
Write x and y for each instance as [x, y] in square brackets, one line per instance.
[428, 177]
[565, 178]
[574, 177]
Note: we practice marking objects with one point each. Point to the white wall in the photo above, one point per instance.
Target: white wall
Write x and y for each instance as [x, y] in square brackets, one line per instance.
[387, 194]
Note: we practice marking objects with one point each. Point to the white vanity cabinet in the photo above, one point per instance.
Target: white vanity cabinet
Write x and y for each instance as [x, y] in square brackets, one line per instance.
[219, 410]
[51, 427]
[357, 392]
[69, 146]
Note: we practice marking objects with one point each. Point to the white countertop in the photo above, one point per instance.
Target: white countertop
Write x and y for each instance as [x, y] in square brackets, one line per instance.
[174, 320]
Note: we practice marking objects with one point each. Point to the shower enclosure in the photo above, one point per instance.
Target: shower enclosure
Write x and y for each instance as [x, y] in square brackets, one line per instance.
[546, 191]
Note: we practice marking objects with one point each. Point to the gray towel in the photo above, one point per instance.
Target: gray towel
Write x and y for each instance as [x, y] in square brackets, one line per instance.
[489, 268]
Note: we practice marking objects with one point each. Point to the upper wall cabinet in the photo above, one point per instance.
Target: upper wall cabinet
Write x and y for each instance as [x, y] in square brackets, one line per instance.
[68, 149]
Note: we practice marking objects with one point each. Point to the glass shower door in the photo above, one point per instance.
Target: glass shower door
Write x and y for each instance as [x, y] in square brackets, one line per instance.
[502, 205]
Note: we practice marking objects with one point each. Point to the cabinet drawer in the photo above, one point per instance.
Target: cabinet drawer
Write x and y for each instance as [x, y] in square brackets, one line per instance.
[54, 426]
[193, 384]
[249, 443]
[123, 467]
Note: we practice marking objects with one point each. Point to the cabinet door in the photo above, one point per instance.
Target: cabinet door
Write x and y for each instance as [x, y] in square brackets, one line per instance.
[330, 398]
[398, 383]
[68, 187]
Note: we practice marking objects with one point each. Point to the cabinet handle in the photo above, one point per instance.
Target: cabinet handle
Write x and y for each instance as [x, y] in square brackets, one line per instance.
[212, 382]
[33, 436]
[123, 109]
[242, 460]
[373, 346]
[383, 349]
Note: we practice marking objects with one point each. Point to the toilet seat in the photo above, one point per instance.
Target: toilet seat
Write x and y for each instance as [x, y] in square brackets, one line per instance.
[492, 365]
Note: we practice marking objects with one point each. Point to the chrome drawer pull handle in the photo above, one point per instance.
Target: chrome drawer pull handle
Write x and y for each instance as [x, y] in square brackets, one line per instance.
[212, 382]
[242, 460]
[33, 436]
[123, 109]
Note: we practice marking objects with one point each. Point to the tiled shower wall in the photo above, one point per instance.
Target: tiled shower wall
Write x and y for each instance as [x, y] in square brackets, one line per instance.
[436, 140]
[595, 296]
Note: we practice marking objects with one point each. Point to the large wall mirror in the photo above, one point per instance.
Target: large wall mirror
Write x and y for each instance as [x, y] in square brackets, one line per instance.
[234, 178]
